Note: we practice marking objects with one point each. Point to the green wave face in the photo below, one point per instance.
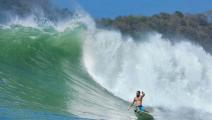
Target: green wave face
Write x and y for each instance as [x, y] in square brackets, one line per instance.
[32, 66]
[41, 70]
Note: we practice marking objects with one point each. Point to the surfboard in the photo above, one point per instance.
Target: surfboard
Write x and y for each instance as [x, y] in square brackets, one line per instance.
[144, 116]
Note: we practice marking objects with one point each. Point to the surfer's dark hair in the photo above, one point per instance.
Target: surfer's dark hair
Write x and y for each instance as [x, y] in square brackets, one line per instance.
[138, 92]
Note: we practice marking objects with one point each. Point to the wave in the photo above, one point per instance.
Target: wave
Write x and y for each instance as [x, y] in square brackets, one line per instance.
[174, 75]
[75, 68]
[41, 69]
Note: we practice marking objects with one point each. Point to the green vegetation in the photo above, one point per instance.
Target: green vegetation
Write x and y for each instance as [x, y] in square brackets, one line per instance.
[177, 25]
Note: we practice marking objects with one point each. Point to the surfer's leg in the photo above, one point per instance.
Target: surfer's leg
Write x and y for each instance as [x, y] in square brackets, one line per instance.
[137, 109]
[141, 108]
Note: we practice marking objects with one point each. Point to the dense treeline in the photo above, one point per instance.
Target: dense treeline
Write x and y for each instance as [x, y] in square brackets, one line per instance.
[194, 27]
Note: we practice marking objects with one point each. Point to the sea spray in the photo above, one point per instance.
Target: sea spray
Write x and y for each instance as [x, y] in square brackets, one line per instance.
[58, 68]
[173, 75]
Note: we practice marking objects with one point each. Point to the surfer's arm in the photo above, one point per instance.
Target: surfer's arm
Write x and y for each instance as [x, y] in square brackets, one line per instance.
[131, 104]
[143, 94]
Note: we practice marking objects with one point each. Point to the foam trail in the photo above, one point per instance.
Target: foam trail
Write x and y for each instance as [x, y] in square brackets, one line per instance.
[173, 75]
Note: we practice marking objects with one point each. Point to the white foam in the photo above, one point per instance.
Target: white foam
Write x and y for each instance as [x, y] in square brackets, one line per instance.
[26, 22]
[80, 18]
[39, 20]
[172, 74]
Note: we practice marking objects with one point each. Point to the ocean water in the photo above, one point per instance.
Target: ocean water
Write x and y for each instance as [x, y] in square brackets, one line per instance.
[77, 71]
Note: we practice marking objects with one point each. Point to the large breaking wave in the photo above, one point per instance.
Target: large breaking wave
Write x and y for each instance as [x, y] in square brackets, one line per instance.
[176, 76]
[42, 71]
[73, 68]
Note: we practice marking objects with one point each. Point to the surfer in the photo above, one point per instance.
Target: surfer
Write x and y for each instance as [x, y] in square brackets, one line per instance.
[138, 101]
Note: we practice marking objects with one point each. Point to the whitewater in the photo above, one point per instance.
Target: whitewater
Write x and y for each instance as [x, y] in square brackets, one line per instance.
[74, 70]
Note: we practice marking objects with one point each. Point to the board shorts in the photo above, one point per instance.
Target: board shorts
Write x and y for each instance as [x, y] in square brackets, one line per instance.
[140, 108]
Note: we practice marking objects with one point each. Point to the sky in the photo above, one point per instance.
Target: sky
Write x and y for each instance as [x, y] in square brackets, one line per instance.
[114, 8]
